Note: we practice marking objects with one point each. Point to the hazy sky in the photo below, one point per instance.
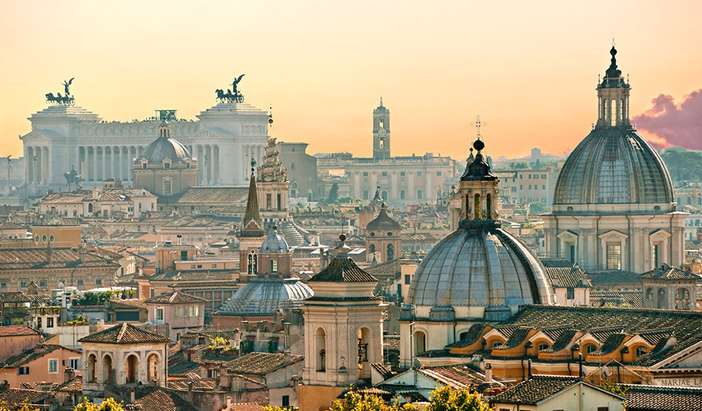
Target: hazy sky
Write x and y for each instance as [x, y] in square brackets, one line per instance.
[529, 68]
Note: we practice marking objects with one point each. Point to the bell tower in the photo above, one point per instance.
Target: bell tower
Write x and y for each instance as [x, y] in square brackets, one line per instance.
[613, 96]
[476, 198]
[381, 132]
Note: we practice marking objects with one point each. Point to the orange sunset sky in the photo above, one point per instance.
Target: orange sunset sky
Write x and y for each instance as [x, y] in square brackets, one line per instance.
[529, 68]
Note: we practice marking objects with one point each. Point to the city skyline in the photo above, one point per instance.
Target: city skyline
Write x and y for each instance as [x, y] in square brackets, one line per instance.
[322, 88]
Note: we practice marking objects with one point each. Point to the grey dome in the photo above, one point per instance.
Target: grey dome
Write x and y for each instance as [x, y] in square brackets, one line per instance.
[480, 266]
[613, 165]
[265, 296]
[165, 147]
[274, 243]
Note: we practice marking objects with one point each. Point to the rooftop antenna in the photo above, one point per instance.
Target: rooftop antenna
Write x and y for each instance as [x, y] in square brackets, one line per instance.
[477, 126]
[614, 43]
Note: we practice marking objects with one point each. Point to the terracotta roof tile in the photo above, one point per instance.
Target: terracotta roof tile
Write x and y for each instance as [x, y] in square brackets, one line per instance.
[124, 334]
[17, 330]
[650, 398]
[342, 269]
[261, 363]
[537, 389]
[175, 297]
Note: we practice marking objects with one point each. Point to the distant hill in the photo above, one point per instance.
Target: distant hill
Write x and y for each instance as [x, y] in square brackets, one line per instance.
[683, 164]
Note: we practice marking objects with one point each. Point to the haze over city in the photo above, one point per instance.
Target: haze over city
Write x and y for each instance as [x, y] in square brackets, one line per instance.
[391, 205]
[528, 69]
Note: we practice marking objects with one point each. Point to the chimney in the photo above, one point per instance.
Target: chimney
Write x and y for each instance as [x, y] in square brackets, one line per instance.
[69, 374]
[580, 365]
[529, 369]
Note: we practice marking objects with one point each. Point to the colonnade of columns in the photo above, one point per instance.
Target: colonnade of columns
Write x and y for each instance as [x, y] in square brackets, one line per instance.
[99, 163]
[38, 164]
[208, 163]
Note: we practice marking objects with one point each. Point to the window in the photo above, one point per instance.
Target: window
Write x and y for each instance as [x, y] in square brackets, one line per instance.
[74, 363]
[252, 267]
[420, 195]
[571, 253]
[438, 173]
[365, 174]
[402, 173]
[640, 350]
[614, 256]
[38, 322]
[602, 408]
[80, 282]
[408, 279]
[543, 347]
[50, 322]
[385, 173]
[419, 173]
[53, 366]
[43, 283]
[269, 201]
[285, 401]
[23, 282]
[274, 265]
[365, 193]
[98, 282]
[279, 201]
[402, 194]
[159, 314]
[23, 371]
[656, 255]
[570, 293]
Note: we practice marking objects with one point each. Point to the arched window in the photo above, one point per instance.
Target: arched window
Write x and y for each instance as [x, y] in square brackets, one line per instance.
[476, 206]
[107, 372]
[152, 364]
[390, 252]
[488, 206]
[363, 337]
[662, 298]
[92, 361]
[420, 342]
[320, 343]
[590, 348]
[682, 299]
[252, 266]
[132, 369]
[640, 350]
[649, 294]
[467, 206]
[543, 346]
[371, 248]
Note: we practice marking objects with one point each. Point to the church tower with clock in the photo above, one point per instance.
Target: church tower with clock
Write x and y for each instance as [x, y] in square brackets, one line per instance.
[381, 132]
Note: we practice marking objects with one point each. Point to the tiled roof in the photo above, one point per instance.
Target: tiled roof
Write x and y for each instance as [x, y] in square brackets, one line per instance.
[175, 297]
[615, 279]
[124, 334]
[382, 369]
[15, 397]
[75, 384]
[17, 330]
[685, 326]
[666, 272]
[342, 269]
[214, 195]
[261, 363]
[604, 297]
[383, 222]
[161, 400]
[535, 390]
[457, 376]
[16, 297]
[659, 398]
[562, 277]
[41, 258]
[31, 354]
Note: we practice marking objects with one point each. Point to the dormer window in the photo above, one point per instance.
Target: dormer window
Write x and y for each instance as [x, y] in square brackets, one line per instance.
[167, 164]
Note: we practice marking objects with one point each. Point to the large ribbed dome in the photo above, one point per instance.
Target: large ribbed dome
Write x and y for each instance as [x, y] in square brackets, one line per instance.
[264, 296]
[614, 165]
[480, 265]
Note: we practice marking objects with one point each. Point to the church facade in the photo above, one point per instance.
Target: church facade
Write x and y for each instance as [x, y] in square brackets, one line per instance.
[224, 139]
[613, 206]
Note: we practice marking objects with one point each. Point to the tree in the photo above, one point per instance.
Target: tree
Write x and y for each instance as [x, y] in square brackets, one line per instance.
[355, 401]
[451, 399]
[110, 404]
